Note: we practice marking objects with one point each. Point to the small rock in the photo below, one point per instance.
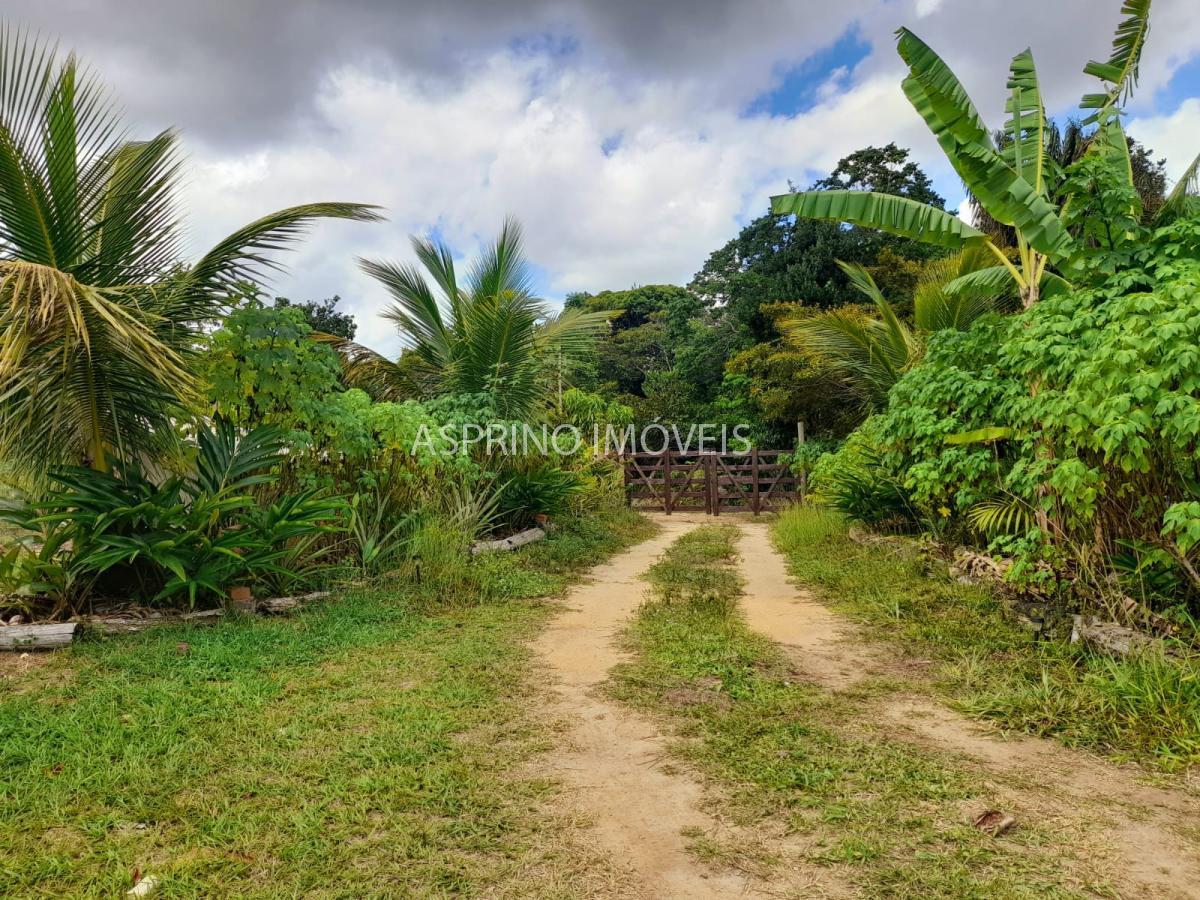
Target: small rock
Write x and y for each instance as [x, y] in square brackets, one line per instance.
[18, 619]
[994, 822]
[143, 888]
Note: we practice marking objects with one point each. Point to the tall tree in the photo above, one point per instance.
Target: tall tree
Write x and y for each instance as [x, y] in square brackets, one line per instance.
[99, 314]
[323, 316]
[778, 258]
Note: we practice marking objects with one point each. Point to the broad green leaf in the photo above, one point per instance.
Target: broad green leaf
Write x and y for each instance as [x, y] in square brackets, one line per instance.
[1012, 200]
[887, 212]
[998, 279]
[954, 114]
[1026, 126]
[937, 95]
[1120, 73]
[985, 435]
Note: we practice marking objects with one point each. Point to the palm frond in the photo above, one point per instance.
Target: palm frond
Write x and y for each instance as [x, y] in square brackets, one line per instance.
[980, 288]
[491, 336]
[379, 376]
[82, 371]
[230, 462]
[502, 267]
[417, 314]
[246, 256]
[862, 351]
[1001, 516]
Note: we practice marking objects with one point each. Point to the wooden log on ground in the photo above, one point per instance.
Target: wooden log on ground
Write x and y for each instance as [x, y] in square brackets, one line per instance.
[1108, 637]
[37, 637]
[520, 539]
[129, 623]
[278, 606]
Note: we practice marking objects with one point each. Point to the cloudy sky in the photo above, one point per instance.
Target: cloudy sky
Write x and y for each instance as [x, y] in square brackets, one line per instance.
[631, 137]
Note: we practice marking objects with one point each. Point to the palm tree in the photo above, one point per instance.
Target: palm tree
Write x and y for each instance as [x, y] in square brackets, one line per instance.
[1017, 179]
[486, 334]
[871, 354]
[99, 315]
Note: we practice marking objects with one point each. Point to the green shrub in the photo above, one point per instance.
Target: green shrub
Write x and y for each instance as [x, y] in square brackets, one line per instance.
[129, 536]
[1084, 408]
[854, 481]
[540, 492]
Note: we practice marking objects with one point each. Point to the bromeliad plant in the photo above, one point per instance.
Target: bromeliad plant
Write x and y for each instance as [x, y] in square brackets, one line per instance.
[1055, 212]
[125, 533]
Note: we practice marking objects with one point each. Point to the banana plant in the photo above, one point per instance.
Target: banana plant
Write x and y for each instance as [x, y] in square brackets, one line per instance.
[1016, 179]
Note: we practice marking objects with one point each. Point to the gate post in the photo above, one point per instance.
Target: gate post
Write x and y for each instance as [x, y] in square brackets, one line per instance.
[754, 462]
[714, 491]
[666, 467]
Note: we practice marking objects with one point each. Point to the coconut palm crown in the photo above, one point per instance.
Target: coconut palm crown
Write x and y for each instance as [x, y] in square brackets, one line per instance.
[485, 333]
[99, 312]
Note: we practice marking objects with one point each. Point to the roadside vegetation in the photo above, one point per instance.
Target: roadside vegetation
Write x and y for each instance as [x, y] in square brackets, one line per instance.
[785, 756]
[1020, 391]
[1145, 707]
[370, 744]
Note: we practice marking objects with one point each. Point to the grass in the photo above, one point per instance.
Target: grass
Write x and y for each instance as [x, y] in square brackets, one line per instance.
[875, 812]
[1146, 707]
[369, 746]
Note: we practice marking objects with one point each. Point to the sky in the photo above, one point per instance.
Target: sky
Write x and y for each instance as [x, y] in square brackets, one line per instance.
[630, 138]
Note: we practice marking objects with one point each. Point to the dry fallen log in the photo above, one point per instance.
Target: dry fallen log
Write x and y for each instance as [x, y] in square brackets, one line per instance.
[1108, 637]
[277, 606]
[131, 622]
[37, 637]
[520, 539]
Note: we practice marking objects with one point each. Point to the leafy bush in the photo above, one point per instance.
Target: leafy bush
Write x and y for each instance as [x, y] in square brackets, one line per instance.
[545, 492]
[854, 481]
[1082, 409]
[127, 535]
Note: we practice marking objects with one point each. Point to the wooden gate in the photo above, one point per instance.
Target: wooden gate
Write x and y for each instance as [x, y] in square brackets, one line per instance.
[755, 481]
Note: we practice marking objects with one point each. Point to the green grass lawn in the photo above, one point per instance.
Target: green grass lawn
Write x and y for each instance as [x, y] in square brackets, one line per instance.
[1145, 708]
[887, 817]
[368, 746]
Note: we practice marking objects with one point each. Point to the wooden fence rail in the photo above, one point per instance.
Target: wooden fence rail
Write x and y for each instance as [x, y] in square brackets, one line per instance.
[756, 480]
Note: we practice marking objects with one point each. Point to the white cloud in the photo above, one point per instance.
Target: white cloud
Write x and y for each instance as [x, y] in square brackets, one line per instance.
[521, 138]
[1175, 136]
[524, 132]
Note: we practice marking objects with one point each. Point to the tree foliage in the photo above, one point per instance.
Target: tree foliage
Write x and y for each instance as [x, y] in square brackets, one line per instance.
[323, 316]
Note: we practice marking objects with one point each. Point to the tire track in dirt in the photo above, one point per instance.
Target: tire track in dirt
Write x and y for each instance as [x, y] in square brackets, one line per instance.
[1138, 824]
[611, 763]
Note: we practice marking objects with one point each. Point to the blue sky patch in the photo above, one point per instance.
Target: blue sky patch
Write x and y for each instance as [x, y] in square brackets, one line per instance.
[798, 85]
